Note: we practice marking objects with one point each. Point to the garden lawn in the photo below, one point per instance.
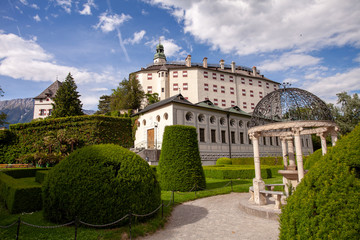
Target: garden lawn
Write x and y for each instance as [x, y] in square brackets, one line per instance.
[213, 187]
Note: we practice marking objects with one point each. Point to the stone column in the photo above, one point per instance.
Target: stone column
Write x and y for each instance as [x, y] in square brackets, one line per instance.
[284, 151]
[333, 134]
[290, 144]
[258, 183]
[323, 142]
[300, 165]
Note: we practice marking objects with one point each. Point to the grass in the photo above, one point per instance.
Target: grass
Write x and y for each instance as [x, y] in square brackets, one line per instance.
[214, 187]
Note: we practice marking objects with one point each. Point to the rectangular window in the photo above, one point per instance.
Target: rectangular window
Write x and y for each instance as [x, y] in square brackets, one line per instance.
[250, 82]
[202, 134]
[241, 138]
[222, 89]
[215, 88]
[175, 74]
[232, 90]
[137, 76]
[244, 92]
[159, 74]
[162, 89]
[206, 98]
[275, 87]
[41, 100]
[149, 89]
[231, 78]
[162, 74]
[213, 135]
[223, 102]
[215, 101]
[222, 78]
[307, 142]
[277, 141]
[267, 85]
[260, 85]
[214, 76]
[42, 112]
[205, 74]
[244, 105]
[250, 142]
[50, 112]
[264, 140]
[260, 95]
[243, 80]
[251, 93]
[185, 86]
[252, 105]
[149, 76]
[302, 142]
[233, 103]
[271, 141]
[175, 87]
[223, 136]
[185, 74]
[233, 137]
[206, 87]
[186, 98]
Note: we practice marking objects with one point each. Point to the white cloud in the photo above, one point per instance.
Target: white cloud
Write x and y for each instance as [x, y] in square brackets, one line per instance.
[108, 22]
[87, 8]
[171, 49]
[144, 12]
[138, 36]
[357, 59]
[24, 2]
[9, 18]
[327, 87]
[34, 6]
[65, 4]
[40, 66]
[37, 18]
[288, 60]
[248, 27]
[98, 89]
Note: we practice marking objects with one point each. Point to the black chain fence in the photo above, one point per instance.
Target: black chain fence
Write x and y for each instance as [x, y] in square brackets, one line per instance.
[77, 221]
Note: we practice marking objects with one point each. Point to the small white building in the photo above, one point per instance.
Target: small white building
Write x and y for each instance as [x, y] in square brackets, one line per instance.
[222, 132]
[43, 102]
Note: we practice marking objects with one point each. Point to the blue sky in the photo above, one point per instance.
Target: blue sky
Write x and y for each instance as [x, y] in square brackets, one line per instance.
[314, 45]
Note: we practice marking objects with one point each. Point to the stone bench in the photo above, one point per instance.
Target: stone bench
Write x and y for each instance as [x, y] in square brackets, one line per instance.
[275, 194]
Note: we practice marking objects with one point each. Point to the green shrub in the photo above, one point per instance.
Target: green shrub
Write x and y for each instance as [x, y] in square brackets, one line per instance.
[270, 161]
[326, 203]
[310, 160]
[63, 135]
[224, 161]
[243, 172]
[21, 173]
[40, 176]
[180, 164]
[100, 184]
[20, 194]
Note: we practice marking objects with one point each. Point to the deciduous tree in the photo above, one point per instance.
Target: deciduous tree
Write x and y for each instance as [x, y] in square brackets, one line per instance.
[3, 116]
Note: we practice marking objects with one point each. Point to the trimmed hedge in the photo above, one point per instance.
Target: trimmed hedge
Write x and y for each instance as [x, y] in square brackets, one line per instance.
[269, 161]
[224, 161]
[326, 203]
[21, 194]
[40, 176]
[78, 131]
[245, 172]
[180, 163]
[310, 160]
[100, 184]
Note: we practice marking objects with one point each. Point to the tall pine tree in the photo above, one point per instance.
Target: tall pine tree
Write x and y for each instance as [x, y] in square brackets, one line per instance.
[67, 102]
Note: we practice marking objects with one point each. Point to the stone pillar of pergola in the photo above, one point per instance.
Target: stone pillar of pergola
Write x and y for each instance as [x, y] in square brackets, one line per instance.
[287, 132]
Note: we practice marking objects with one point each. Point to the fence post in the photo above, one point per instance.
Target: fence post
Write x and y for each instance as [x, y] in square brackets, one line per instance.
[18, 229]
[231, 186]
[76, 226]
[130, 224]
[162, 208]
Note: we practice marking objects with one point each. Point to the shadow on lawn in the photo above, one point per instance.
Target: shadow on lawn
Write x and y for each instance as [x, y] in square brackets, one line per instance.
[235, 182]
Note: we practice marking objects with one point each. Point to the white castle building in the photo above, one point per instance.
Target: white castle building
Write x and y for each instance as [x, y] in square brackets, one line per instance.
[43, 102]
[224, 85]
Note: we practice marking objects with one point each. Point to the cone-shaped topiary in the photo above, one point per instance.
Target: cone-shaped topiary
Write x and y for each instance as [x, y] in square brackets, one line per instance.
[326, 203]
[100, 184]
[180, 164]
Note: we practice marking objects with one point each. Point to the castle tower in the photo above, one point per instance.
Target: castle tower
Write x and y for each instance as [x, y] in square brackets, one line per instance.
[164, 81]
[159, 57]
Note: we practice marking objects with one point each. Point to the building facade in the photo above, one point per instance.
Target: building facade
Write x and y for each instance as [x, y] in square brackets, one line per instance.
[43, 102]
[222, 132]
[222, 84]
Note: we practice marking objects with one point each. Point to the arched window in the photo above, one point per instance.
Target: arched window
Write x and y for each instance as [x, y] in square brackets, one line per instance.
[201, 118]
[212, 119]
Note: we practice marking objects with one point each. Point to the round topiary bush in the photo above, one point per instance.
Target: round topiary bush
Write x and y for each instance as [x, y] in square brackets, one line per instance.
[180, 164]
[326, 203]
[100, 184]
[224, 161]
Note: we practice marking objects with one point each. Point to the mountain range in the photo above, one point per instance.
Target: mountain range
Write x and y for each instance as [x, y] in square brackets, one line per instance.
[22, 110]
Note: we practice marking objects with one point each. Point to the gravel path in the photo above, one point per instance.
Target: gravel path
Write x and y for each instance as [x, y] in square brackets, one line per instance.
[217, 217]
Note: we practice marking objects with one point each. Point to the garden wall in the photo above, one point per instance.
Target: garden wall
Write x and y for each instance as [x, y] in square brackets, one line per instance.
[63, 135]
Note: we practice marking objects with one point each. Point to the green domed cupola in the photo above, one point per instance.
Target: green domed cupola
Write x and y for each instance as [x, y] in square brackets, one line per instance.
[159, 57]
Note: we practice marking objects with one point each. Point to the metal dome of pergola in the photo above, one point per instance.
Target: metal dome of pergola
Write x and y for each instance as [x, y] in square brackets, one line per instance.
[288, 114]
